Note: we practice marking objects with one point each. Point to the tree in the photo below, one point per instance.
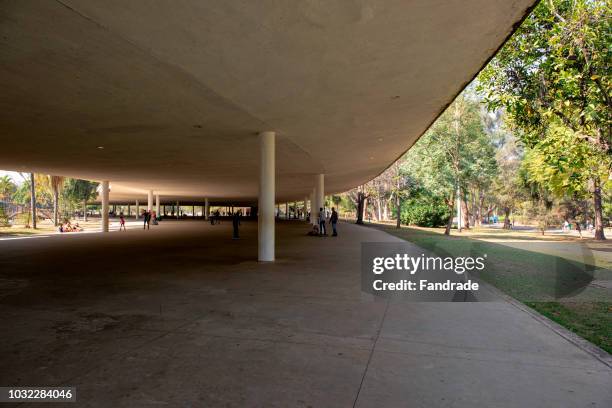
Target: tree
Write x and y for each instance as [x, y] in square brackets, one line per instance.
[359, 197]
[7, 188]
[452, 154]
[33, 200]
[57, 184]
[81, 191]
[567, 168]
[554, 71]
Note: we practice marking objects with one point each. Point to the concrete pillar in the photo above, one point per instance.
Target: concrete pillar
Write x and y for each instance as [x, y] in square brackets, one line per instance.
[137, 210]
[319, 195]
[178, 210]
[150, 201]
[157, 205]
[265, 221]
[305, 207]
[104, 196]
[286, 211]
[312, 206]
[206, 208]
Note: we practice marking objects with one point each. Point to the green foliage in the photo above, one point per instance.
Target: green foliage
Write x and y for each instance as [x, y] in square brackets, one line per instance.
[425, 210]
[555, 68]
[455, 152]
[552, 78]
[7, 188]
[22, 194]
[562, 165]
[78, 191]
[4, 220]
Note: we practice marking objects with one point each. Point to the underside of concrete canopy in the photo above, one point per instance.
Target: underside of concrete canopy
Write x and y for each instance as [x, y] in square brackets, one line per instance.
[171, 96]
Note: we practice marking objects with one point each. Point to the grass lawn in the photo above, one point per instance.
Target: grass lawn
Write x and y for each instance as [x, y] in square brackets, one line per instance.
[45, 227]
[555, 286]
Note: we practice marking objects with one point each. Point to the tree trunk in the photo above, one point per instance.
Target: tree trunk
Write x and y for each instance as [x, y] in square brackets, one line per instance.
[398, 211]
[360, 202]
[479, 205]
[465, 213]
[85, 210]
[451, 208]
[55, 207]
[385, 210]
[378, 213]
[33, 200]
[507, 218]
[599, 227]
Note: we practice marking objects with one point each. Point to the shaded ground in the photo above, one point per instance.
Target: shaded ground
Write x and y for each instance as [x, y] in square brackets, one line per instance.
[567, 281]
[182, 315]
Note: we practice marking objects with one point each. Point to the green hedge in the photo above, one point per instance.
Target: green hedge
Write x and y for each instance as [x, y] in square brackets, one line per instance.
[424, 210]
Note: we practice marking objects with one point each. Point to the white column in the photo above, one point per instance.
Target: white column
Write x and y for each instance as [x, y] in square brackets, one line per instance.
[286, 211]
[157, 205]
[206, 208]
[265, 220]
[312, 207]
[137, 209]
[178, 210]
[319, 195]
[150, 201]
[305, 206]
[104, 195]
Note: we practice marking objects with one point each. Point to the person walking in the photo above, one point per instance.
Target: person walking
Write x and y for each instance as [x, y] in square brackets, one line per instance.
[121, 222]
[333, 219]
[236, 224]
[147, 220]
[322, 230]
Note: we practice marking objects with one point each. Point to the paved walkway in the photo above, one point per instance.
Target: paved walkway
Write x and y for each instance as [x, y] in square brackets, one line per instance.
[182, 316]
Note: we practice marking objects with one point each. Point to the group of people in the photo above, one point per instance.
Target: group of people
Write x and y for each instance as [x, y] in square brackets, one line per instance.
[68, 227]
[148, 217]
[320, 229]
[568, 226]
[215, 218]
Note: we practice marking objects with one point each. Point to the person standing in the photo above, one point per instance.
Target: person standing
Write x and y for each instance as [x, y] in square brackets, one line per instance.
[121, 222]
[322, 229]
[236, 224]
[147, 220]
[333, 219]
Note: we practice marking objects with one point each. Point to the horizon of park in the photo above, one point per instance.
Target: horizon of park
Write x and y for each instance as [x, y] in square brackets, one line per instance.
[518, 166]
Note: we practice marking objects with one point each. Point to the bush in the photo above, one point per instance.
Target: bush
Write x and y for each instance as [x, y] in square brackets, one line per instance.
[4, 220]
[425, 211]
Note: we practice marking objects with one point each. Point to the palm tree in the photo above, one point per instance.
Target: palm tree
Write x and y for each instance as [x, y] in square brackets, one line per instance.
[7, 187]
[56, 183]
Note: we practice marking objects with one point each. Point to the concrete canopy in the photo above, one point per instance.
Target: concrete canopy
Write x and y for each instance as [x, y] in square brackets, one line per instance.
[170, 96]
